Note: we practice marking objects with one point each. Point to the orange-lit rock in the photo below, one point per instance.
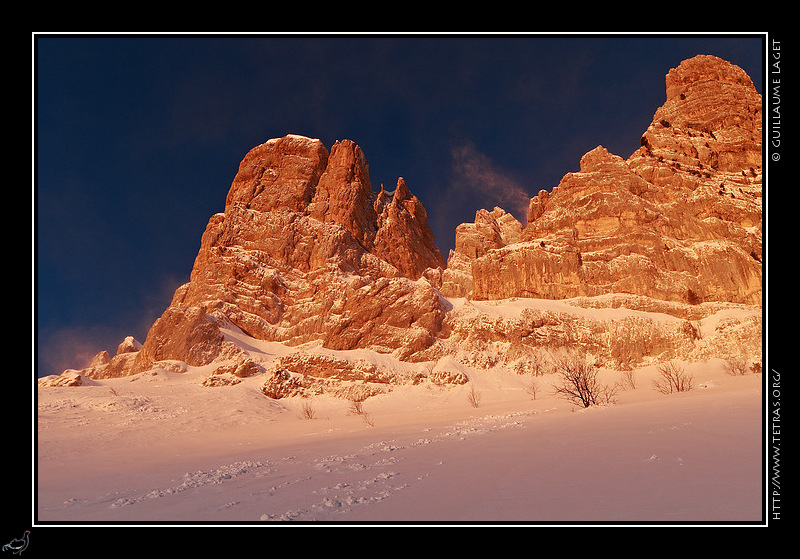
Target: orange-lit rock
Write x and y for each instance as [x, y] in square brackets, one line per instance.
[679, 220]
[306, 250]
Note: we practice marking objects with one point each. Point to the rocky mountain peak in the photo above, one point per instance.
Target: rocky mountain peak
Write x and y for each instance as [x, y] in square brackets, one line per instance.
[695, 73]
[679, 220]
[344, 192]
[711, 122]
[281, 173]
[307, 254]
[305, 250]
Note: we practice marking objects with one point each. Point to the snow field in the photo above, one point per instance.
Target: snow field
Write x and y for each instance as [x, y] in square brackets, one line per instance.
[162, 448]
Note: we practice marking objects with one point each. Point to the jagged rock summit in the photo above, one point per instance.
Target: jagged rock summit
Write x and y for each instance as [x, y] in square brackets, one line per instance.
[627, 261]
[304, 251]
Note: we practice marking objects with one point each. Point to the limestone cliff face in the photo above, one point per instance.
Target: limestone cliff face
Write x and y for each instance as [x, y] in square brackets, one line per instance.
[306, 250]
[679, 220]
[629, 261]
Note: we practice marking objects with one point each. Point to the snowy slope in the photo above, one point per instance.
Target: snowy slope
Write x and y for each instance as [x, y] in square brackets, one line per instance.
[158, 446]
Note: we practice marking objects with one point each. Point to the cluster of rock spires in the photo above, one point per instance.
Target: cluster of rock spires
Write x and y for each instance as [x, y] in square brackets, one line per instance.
[306, 253]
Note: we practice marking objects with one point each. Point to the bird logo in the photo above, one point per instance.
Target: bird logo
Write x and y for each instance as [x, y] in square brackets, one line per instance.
[18, 545]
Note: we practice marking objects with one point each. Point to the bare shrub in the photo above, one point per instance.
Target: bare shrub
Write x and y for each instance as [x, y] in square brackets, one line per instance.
[533, 389]
[672, 378]
[474, 397]
[538, 364]
[578, 384]
[756, 368]
[534, 364]
[735, 366]
[357, 408]
[628, 381]
[307, 410]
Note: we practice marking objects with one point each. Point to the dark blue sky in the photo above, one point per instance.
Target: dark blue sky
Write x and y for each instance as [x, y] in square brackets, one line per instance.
[138, 139]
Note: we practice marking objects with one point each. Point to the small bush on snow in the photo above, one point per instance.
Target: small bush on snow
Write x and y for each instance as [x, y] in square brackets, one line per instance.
[578, 383]
[672, 378]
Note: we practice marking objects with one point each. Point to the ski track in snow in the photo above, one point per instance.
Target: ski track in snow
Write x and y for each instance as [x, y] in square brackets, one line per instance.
[380, 466]
[321, 489]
